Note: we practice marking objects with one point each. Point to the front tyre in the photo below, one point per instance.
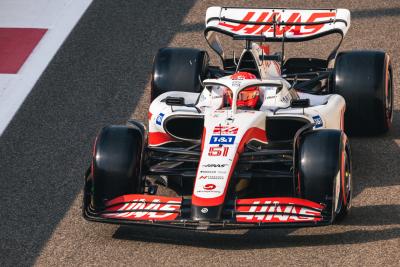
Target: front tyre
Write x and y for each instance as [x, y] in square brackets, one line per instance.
[324, 170]
[116, 164]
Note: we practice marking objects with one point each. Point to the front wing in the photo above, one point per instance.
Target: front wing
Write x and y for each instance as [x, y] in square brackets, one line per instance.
[175, 212]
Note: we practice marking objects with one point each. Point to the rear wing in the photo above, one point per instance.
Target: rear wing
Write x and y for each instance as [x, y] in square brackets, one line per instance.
[276, 24]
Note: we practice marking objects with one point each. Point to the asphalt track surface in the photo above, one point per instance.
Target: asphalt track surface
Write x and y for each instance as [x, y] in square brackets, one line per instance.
[100, 76]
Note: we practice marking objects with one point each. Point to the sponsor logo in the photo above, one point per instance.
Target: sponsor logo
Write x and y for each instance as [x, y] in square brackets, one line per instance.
[211, 165]
[140, 209]
[318, 121]
[295, 17]
[208, 171]
[273, 211]
[212, 177]
[286, 98]
[225, 130]
[160, 118]
[222, 140]
[204, 210]
[209, 187]
[236, 83]
[216, 151]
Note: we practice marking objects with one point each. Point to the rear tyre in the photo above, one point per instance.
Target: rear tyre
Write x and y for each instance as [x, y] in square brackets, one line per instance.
[116, 164]
[364, 79]
[178, 69]
[323, 159]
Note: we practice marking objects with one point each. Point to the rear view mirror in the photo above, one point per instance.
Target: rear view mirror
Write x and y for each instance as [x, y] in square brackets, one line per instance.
[215, 43]
[175, 101]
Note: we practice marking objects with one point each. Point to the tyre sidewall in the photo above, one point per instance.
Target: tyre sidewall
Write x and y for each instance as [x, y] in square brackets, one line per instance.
[361, 77]
[319, 164]
[116, 164]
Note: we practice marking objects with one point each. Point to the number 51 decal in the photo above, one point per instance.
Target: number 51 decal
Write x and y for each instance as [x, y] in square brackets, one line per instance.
[216, 151]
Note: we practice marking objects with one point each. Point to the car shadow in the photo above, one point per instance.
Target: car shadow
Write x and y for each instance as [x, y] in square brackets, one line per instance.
[377, 215]
[275, 238]
[376, 12]
[375, 159]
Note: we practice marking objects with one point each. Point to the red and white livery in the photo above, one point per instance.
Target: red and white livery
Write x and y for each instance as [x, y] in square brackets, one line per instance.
[259, 141]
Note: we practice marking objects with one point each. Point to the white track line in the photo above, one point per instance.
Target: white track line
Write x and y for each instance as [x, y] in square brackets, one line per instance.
[59, 17]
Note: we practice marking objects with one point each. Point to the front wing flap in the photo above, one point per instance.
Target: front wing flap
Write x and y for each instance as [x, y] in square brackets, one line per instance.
[241, 213]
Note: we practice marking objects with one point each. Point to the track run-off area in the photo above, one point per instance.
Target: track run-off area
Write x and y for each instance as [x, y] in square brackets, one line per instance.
[99, 76]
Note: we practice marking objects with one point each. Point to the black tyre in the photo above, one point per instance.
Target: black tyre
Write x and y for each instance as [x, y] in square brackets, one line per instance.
[116, 164]
[364, 79]
[324, 170]
[178, 69]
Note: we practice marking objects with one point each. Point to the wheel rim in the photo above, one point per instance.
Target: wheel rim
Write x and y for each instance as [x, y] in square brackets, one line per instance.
[389, 99]
[347, 181]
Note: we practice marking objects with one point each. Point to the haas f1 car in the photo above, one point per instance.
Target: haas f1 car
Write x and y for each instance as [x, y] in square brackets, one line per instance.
[259, 141]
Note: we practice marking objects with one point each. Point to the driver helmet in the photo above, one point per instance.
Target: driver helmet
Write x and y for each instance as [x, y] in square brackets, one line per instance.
[247, 97]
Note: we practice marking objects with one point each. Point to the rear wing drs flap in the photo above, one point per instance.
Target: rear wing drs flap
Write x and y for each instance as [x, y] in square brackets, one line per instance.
[276, 24]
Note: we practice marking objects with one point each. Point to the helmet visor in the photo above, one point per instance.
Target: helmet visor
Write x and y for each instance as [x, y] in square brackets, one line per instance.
[248, 94]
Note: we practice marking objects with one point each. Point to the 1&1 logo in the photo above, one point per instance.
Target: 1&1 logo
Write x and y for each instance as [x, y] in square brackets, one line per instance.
[222, 140]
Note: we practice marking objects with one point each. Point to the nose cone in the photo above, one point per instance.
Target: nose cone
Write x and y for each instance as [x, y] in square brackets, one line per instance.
[201, 213]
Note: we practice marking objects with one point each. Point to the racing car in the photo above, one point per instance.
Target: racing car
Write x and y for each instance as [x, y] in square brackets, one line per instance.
[259, 141]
